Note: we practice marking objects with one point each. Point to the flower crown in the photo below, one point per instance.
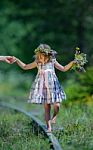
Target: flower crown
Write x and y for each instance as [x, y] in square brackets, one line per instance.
[46, 51]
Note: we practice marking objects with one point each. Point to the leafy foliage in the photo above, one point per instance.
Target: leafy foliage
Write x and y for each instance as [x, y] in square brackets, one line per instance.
[26, 24]
[80, 86]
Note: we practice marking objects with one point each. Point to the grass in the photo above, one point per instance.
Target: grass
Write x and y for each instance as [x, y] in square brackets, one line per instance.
[77, 123]
[16, 133]
[76, 118]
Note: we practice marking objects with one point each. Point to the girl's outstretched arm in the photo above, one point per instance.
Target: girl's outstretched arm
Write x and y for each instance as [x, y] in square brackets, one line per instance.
[23, 65]
[64, 68]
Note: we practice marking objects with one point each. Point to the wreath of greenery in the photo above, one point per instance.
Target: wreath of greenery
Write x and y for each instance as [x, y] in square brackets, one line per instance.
[41, 50]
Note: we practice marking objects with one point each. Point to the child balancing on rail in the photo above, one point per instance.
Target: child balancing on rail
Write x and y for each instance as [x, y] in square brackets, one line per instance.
[46, 88]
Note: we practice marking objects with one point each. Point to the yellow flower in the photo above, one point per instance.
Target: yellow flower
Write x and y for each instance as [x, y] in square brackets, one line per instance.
[77, 48]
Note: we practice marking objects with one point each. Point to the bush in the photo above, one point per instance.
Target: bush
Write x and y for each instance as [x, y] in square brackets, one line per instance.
[80, 86]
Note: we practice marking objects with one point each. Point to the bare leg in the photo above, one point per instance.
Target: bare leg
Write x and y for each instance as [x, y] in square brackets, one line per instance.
[56, 110]
[47, 116]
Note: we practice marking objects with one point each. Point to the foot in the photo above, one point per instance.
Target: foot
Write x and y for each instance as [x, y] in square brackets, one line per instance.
[49, 128]
[53, 121]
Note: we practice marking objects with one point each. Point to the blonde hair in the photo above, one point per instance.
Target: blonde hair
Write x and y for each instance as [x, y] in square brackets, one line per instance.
[46, 51]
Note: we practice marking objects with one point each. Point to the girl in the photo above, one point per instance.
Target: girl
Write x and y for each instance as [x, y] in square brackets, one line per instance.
[46, 88]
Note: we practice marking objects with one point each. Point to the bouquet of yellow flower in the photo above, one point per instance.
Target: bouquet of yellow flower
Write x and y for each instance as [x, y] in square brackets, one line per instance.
[80, 59]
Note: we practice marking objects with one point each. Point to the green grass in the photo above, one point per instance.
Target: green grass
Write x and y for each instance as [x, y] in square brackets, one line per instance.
[77, 122]
[16, 133]
[75, 117]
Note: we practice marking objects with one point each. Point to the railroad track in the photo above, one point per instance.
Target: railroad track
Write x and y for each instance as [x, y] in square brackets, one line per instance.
[36, 123]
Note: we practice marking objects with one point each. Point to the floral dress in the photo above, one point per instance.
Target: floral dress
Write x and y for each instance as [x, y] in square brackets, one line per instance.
[46, 87]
